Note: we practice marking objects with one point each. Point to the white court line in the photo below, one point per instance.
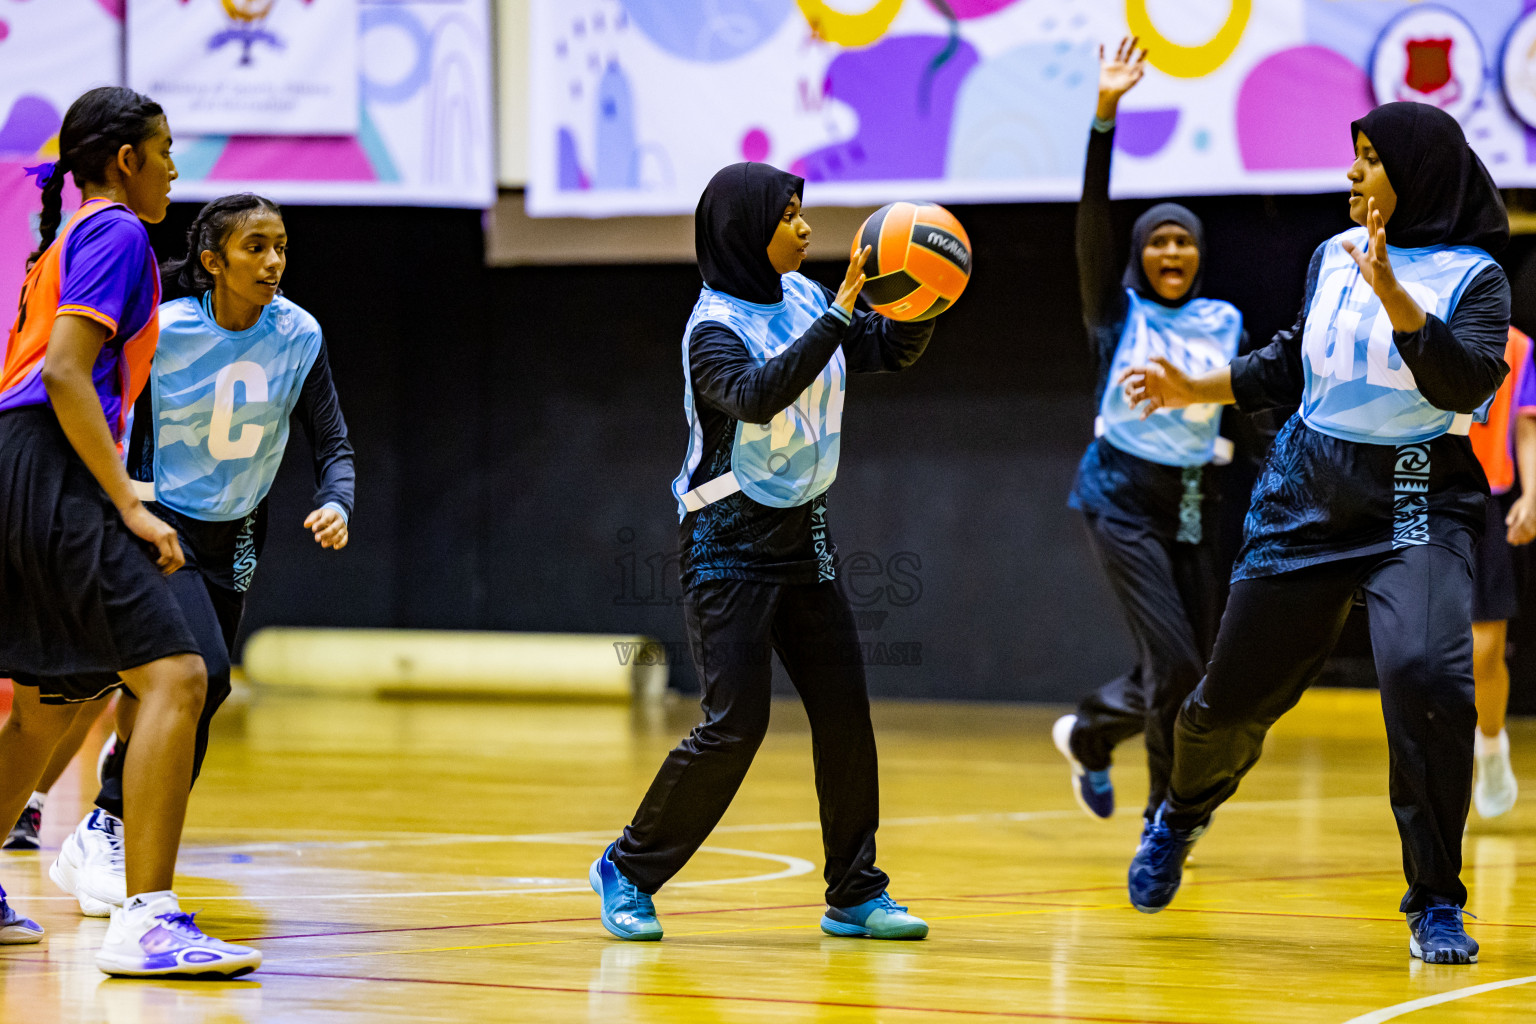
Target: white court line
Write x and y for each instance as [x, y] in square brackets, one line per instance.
[402, 839]
[1377, 1016]
[793, 867]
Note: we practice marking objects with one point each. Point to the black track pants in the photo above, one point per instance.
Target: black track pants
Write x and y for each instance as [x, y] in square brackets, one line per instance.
[733, 626]
[1168, 593]
[213, 613]
[1274, 638]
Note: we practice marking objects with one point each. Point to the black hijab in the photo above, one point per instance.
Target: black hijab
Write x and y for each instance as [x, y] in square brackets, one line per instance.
[737, 216]
[1445, 196]
[1135, 276]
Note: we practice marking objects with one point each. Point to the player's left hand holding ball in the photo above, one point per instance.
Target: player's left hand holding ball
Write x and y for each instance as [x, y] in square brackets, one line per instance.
[328, 526]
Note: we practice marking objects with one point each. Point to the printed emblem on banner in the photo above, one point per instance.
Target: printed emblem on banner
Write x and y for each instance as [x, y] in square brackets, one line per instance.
[248, 17]
[1519, 68]
[1429, 55]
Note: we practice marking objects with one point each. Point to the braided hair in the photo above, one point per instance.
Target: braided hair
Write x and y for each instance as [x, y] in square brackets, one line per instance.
[96, 127]
[209, 232]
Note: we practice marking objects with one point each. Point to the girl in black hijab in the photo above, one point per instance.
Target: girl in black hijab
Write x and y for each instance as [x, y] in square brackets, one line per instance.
[766, 355]
[1145, 486]
[1371, 487]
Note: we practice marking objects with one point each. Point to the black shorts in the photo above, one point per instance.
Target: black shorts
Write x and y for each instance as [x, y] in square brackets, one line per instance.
[80, 596]
[1495, 596]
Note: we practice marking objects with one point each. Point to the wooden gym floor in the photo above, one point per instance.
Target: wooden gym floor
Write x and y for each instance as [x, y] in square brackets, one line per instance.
[427, 862]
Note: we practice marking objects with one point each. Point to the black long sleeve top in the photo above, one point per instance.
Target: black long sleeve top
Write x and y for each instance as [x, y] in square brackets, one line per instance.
[1321, 498]
[1110, 482]
[225, 551]
[736, 537]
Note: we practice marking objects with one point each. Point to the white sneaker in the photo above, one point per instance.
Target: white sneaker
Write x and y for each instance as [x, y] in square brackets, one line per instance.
[90, 864]
[151, 937]
[1496, 787]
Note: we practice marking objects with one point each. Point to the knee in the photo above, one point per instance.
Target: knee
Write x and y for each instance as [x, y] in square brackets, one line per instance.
[184, 685]
[737, 734]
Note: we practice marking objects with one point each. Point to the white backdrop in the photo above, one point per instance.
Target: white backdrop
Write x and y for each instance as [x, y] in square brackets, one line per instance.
[635, 103]
[254, 67]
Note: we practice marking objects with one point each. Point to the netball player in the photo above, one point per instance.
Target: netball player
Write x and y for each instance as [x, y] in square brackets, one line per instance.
[1506, 446]
[236, 360]
[82, 575]
[1144, 485]
[1372, 487]
[765, 357]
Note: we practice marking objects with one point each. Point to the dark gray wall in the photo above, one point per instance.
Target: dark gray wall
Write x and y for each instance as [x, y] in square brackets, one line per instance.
[517, 430]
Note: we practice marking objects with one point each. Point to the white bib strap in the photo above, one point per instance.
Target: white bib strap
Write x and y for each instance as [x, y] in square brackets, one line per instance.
[711, 491]
[1461, 425]
[144, 490]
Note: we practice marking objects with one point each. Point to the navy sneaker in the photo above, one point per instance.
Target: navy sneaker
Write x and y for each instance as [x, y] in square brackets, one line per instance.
[1158, 867]
[1435, 935]
[1093, 790]
[627, 912]
[16, 930]
[24, 835]
[879, 918]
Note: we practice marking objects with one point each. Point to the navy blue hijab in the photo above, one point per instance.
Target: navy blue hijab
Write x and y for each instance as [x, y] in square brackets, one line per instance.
[1135, 276]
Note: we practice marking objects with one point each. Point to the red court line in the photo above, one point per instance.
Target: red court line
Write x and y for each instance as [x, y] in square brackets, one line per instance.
[836, 1004]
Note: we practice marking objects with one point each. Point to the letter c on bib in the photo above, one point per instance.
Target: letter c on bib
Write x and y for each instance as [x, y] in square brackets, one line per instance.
[220, 445]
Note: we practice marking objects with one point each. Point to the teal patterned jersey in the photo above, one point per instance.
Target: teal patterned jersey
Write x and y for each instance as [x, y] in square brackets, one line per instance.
[1357, 386]
[791, 459]
[1197, 337]
[221, 401]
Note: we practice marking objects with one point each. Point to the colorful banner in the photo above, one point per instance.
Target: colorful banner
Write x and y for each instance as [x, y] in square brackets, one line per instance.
[253, 67]
[635, 103]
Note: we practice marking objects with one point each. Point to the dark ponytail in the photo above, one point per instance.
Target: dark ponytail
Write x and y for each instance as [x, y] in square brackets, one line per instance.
[209, 232]
[97, 125]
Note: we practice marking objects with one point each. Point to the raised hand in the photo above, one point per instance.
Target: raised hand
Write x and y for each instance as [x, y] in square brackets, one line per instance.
[1374, 264]
[853, 281]
[1119, 73]
[1376, 267]
[1158, 385]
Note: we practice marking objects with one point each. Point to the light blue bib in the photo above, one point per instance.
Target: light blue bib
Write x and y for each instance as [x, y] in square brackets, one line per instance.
[1197, 337]
[1358, 387]
[221, 403]
[792, 458]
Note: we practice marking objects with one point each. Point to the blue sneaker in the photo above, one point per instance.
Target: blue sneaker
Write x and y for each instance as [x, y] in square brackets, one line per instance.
[627, 912]
[1435, 935]
[1093, 790]
[1158, 867]
[879, 918]
[16, 930]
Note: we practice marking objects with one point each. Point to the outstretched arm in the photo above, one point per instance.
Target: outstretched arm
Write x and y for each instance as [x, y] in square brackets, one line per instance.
[1097, 275]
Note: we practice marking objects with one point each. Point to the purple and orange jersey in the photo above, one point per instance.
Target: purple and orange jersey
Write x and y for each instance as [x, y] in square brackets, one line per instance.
[1494, 440]
[100, 267]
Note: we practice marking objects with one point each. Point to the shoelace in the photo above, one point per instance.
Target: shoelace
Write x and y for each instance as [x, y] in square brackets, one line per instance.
[1444, 922]
[886, 903]
[183, 923]
[1162, 842]
[110, 828]
[632, 893]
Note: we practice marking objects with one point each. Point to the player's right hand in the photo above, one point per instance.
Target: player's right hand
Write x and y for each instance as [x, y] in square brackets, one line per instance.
[853, 281]
[157, 532]
[1158, 385]
[1119, 73]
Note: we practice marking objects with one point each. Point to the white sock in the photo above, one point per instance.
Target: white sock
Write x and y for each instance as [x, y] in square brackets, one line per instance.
[144, 899]
[1484, 745]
